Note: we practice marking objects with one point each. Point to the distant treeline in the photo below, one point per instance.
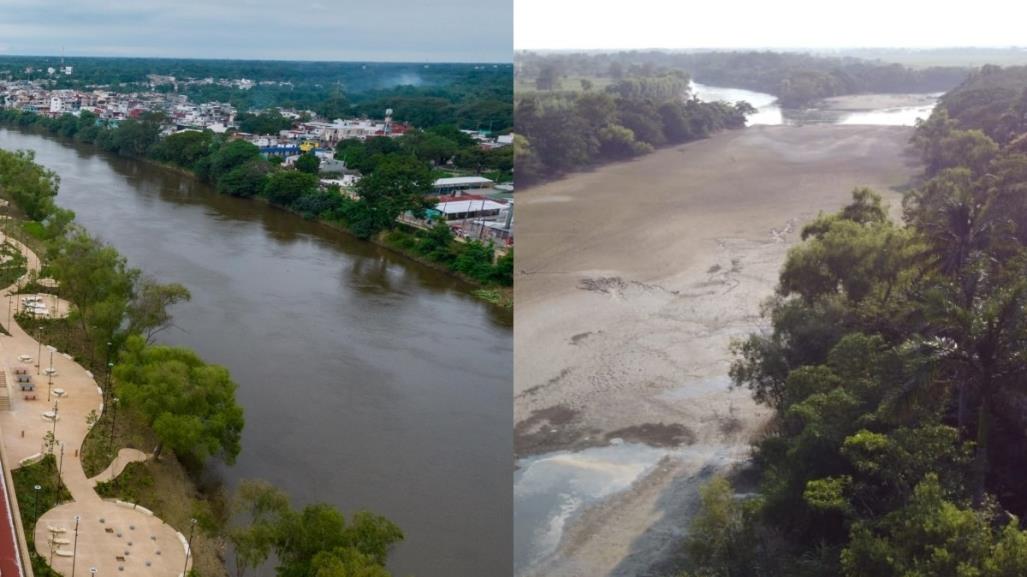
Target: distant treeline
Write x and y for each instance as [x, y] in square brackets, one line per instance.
[992, 100]
[397, 176]
[895, 366]
[796, 79]
[474, 97]
[564, 131]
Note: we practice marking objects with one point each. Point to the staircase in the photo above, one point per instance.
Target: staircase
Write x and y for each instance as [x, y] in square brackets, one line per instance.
[5, 393]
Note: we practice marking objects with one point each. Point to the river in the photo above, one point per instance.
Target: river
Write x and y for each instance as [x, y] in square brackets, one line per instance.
[650, 346]
[369, 381]
[880, 110]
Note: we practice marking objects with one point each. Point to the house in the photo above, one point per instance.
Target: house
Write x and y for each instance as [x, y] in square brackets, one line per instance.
[467, 207]
[457, 184]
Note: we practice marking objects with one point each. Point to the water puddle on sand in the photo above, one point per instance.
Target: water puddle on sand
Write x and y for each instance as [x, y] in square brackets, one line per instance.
[550, 490]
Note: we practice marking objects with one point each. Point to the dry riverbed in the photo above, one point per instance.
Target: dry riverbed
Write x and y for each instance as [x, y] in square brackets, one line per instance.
[632, 280]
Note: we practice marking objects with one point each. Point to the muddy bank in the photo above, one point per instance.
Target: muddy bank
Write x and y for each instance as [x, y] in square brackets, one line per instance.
[631, 283]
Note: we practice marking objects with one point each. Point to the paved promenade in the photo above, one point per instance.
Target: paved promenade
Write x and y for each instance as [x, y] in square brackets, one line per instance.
[115, 538]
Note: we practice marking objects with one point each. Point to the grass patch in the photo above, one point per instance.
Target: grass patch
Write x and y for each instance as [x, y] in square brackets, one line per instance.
[131, 432]
[34, 503]
[166, 488]
[34, 229]
[65, 336]
[12, 264]
[496, 296]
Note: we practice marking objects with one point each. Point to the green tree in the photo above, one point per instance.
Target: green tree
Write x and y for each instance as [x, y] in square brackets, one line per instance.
[308, 163]
[285, 188]
[148, 312]
[96, 279]
[190, 404]
[400, 183]
[245, 180]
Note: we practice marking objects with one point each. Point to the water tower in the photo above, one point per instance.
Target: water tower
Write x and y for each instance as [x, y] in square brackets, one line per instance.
[388, 121]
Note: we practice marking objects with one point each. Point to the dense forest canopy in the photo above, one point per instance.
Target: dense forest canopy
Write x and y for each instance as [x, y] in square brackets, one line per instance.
[558, 132]
[473, 96]
[895, 362]
[797, 79]
[991, 99]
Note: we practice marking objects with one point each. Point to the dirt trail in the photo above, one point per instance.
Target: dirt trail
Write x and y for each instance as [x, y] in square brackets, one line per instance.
[631, 283]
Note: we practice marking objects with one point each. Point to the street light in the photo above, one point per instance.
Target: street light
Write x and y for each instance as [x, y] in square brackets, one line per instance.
[92, 571]
[110, 365]
[35, 502]
[114, 422]
[74, 550]
[110, 369]
[54, 432]
[189, 548]
[49, 374]
[60, 468]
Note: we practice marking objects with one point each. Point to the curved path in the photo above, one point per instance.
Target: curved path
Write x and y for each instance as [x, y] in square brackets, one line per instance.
[124, 457]
[115, 538]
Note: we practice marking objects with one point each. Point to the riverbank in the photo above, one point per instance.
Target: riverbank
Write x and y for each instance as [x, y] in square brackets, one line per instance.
[399, 349]
[623, 326]
[489, 291]
[88, 431]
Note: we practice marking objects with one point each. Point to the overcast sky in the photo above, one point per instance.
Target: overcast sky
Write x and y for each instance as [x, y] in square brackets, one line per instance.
[567, 24]
[380, 30]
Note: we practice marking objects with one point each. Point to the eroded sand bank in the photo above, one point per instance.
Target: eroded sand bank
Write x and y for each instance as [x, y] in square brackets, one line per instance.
[632, 280]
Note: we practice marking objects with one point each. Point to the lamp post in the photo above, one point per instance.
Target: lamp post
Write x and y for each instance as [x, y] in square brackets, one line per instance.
[74, 549]
[49, 375]
[39, 351]
[110, 369]
[54, 432]
[110, 365]
[114, 422]
[189, 548]
[35, 502]
[60, 468]
[92, 571]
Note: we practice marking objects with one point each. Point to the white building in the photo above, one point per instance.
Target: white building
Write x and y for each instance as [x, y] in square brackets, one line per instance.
[458, 183]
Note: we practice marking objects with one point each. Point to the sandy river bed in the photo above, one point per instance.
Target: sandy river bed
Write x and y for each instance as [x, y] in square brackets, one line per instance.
[632, 280]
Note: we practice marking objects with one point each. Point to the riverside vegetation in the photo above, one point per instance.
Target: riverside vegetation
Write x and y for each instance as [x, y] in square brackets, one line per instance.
[564, 131]
[796, 79]
[397, 178]
[895, 365]
[170, 402]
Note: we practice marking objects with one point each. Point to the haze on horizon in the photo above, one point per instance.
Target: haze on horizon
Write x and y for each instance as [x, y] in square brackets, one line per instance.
[751, 24]
[335, 30]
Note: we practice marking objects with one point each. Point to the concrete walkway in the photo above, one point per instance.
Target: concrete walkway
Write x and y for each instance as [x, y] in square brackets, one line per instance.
[124, 457]
[115, 538]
